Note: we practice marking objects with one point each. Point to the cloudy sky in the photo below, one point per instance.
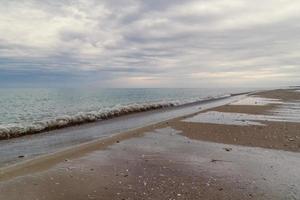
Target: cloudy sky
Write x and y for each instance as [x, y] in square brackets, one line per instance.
[149, 43]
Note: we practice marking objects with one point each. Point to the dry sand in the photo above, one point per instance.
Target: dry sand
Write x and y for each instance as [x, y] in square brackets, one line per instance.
[172, 160]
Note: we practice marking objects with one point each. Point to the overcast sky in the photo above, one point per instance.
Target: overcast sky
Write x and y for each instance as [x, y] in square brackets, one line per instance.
[150, 43]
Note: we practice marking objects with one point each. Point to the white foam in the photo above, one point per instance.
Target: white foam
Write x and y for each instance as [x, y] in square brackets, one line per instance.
[258, 101]
[15, 130]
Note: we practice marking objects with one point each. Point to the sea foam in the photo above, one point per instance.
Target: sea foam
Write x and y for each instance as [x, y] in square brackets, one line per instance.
[8, 131]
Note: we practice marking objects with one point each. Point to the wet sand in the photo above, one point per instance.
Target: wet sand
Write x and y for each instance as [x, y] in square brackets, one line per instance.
[283, 135]
[32, 146]
[173, 160]
[285, 95]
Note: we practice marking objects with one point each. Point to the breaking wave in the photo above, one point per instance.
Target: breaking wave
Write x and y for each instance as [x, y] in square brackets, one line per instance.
[16, 130]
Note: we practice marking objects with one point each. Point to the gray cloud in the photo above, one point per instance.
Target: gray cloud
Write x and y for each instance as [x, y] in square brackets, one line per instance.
[155, 43]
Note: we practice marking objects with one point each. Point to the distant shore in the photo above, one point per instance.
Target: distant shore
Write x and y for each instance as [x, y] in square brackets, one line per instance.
[247, 149]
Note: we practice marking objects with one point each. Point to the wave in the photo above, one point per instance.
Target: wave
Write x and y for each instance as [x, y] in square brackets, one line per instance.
[17, 130]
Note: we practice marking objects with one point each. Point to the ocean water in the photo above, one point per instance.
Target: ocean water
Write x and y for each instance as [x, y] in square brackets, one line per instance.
[26, 110]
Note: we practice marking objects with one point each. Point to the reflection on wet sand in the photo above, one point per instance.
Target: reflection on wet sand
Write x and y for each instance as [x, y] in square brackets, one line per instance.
[164, 165]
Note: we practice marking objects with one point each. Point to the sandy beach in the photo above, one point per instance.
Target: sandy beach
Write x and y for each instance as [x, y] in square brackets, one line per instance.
[247, 149]
[149, 100]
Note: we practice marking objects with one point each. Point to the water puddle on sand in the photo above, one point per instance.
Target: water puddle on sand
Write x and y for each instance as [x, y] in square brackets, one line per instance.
[214, 117]
[256, 101]
[284, 112]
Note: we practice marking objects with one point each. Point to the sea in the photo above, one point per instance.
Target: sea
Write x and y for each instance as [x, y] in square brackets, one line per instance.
[32, 110]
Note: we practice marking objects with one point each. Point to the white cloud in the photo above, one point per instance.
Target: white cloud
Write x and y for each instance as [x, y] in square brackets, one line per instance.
[157, 42]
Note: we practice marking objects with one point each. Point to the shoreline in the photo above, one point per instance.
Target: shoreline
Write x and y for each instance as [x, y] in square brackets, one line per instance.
[63, 122]
[58, 140]
[112, 138]
[249, 143]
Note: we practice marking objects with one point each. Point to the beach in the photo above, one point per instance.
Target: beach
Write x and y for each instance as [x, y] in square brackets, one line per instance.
[243, 148]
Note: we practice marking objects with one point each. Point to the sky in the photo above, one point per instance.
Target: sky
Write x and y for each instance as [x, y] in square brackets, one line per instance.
[155, 43]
